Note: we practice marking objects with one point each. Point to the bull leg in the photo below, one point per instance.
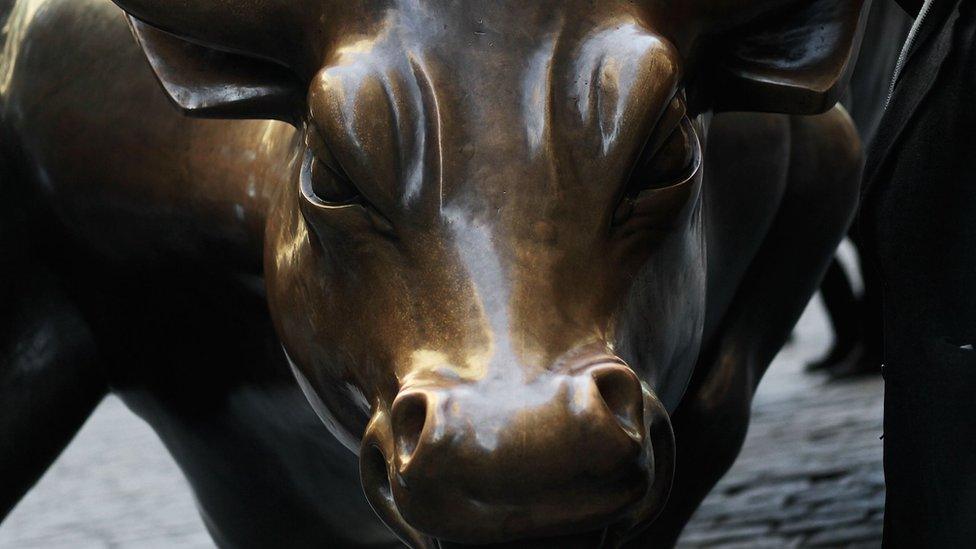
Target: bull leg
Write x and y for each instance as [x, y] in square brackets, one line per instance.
[818, 205]
[49, 382]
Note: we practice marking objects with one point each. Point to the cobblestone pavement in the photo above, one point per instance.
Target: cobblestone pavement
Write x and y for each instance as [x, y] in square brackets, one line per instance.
[810, 474]
[113, 487]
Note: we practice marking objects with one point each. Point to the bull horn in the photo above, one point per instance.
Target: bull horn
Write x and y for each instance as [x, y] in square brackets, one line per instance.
[789, 56]
[266, 29]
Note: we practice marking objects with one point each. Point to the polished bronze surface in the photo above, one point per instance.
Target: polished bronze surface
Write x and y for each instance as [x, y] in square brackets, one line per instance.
[513, 261]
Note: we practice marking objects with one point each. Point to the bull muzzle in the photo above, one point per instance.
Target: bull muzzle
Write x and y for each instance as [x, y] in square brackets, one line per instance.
[586, 452]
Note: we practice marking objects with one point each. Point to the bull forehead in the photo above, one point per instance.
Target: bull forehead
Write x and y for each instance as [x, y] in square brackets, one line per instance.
[440, 103]
[507, 137]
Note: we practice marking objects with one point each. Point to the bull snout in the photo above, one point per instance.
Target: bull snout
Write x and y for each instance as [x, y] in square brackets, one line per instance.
[502, 460]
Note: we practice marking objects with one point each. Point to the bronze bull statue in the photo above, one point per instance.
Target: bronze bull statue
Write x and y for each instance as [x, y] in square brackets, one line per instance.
[514, 262]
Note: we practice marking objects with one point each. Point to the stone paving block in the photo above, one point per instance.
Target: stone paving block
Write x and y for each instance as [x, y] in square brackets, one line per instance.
[772, 542]
[821, 523]
[759, 512]
[869, 504]
[819, 444]
[724, 535]
[834, 492]
[872, 544]
[775, 490]
[838, 537]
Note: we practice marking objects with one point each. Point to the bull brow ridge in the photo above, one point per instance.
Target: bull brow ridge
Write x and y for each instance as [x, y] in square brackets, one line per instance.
[433, 125]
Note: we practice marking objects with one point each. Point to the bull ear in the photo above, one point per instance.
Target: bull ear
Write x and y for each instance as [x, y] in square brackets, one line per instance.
[209, 83]
[794, 59]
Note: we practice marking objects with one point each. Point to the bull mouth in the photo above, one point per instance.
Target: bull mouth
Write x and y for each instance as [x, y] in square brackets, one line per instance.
[381, 477]
[573, 501]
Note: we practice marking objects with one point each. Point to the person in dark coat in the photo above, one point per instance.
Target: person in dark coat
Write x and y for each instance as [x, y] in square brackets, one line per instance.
[918, 225]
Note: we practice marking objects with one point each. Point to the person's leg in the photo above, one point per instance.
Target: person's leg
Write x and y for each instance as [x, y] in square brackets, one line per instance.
[921, 221]
[930, 467]
[844, 315]
[856, 320]
[869, 314]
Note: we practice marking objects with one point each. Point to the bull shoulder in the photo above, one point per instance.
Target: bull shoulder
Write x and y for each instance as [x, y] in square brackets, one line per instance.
[827, 157]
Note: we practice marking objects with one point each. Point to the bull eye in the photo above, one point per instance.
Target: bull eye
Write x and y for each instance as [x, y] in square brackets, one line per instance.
[666, 166]
[673, 163]
[323, 180]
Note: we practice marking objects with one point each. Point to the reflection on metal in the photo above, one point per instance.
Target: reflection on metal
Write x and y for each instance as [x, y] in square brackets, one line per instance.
[12, 37]
[489, 247]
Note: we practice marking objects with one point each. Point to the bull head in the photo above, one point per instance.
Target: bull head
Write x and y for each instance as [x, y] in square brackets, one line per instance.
[488, 269]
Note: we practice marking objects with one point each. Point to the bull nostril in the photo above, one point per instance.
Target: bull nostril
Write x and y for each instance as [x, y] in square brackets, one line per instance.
[622, 394]
[374, 470]
[409, 418]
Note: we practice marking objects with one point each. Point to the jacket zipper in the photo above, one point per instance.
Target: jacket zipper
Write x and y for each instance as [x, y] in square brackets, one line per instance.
[907, 48]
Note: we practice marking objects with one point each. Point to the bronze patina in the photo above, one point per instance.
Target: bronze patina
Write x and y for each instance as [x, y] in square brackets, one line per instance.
[514, 262]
